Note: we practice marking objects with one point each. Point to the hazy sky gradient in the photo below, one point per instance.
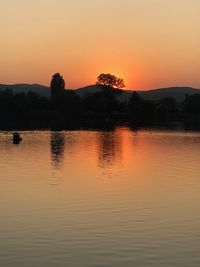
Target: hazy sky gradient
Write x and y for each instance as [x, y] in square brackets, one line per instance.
[149, 43]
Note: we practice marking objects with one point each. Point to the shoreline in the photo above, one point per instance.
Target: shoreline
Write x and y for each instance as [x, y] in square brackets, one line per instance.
[97, 123]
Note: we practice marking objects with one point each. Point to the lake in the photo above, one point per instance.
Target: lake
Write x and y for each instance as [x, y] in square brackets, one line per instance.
[94, 198]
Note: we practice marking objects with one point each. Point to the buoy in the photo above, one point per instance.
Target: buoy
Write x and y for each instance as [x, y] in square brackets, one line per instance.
[16, 138]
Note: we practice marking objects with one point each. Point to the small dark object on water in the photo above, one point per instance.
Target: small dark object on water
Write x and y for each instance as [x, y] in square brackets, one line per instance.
[16, 138]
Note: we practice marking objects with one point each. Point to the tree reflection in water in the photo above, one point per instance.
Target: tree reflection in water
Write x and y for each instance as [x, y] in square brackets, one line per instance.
[110, 148]
[57, 143]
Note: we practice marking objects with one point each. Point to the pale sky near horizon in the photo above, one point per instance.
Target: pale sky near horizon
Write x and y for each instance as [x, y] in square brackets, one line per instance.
[149, 43]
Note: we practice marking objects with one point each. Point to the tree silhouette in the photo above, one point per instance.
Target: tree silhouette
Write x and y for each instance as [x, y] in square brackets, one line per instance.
[191, 104]
[103, 102]
[135, 102]
[140, 108]
[67, 101]
[109, 80]
[57, 84]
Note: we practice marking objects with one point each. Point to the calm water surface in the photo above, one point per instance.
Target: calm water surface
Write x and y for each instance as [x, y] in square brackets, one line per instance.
[100, 199]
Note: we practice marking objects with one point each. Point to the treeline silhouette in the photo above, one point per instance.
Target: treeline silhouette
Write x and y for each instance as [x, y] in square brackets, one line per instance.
[104, 104]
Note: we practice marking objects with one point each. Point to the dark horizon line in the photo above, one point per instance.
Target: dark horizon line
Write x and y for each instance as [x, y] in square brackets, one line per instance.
[138, 90]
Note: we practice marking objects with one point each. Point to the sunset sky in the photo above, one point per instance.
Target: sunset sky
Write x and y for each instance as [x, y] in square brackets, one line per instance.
[149, 43]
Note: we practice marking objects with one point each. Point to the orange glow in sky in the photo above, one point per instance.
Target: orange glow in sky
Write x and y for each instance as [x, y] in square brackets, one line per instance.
[148, 43]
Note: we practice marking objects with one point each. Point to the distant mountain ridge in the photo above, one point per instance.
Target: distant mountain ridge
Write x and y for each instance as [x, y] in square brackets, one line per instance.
[177, 93]
[18, 88]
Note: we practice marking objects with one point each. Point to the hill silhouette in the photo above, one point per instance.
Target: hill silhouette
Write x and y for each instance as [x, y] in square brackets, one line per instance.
[178, 93]
[90, 89]
[18, 88]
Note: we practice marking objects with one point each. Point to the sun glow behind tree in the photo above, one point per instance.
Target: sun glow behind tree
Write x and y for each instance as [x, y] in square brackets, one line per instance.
[110, 80]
